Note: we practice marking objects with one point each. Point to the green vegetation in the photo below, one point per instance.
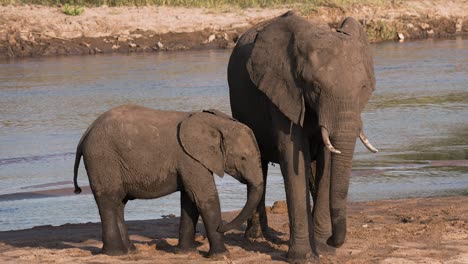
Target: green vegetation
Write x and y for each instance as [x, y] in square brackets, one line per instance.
[308, 4]
[72, 10]
[380, 30]
[377, 30]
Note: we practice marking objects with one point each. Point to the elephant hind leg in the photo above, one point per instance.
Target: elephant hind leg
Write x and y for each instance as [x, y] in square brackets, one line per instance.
[123, 227]
[109, 209]
[257, 225]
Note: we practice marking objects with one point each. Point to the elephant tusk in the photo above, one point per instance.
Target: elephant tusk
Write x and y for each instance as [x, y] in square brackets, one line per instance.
[366, 142]
[326, 141]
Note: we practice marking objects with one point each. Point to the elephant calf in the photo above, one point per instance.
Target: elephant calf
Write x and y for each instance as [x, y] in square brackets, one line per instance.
[132, 152]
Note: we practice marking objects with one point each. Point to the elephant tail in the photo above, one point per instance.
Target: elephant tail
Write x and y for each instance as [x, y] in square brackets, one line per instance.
[79, 153]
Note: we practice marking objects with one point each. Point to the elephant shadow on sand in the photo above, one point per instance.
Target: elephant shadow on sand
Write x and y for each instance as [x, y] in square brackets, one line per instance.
[159, 236]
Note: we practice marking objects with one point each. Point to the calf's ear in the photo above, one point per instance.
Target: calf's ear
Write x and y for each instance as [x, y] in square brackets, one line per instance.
[203, 142]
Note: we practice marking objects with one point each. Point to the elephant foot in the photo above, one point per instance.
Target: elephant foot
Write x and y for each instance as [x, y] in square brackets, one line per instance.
[332, 242]
[323, 248]
[185, 249]
[253, 232]
[218, 255]
[301, 254]
[132, 249]
[114, 251]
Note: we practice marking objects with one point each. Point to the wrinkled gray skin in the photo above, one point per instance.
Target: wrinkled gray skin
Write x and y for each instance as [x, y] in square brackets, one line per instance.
[132, 152]
[290, 78]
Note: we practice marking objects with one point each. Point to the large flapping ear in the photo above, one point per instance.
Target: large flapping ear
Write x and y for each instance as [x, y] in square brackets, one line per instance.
[203, 142]
[351, 27]
[272, 67]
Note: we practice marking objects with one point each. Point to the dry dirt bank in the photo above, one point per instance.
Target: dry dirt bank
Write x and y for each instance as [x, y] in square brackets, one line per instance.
[38, 30]
[424, 230]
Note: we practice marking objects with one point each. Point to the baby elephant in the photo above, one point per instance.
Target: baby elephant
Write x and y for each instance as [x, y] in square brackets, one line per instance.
[132, 152]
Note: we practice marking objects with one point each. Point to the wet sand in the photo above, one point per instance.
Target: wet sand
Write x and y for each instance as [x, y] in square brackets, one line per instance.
[417, 230]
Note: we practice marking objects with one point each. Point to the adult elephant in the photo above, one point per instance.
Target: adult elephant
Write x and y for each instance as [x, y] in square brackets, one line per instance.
[301, 87]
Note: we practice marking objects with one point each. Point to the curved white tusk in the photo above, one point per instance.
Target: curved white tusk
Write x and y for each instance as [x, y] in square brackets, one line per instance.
[366, 142]
[326, 141]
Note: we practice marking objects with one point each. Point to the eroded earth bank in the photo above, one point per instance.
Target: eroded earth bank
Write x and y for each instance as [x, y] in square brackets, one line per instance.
[27, 30]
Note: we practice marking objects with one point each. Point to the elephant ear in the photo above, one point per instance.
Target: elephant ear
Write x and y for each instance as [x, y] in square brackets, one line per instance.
[351, 27]
[355, 31]
[219, 113]
[270, 66]
[203, 142]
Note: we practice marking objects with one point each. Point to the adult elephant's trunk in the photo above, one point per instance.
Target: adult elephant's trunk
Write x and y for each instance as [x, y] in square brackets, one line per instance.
[341, 164]
[254, 195]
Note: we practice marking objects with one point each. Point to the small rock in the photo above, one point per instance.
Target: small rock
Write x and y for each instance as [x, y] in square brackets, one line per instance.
[409, 25]
[211, 38]
[114, 47]
[279, 207]
[430, 32]
[50, 34]
[160, 45]
[459, 25]
[85, 44]
[122, 39]
[406, 219]
[169, 216]
[425, 26]
[401, 37]
[97, 50]
[365, 225]
[3, 36]
[132, 45]
[136, 36]
[106, 41]
[24, 37]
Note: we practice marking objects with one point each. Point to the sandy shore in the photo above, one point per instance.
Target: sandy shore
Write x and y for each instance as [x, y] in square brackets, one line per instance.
[422, 230]
[38, 30]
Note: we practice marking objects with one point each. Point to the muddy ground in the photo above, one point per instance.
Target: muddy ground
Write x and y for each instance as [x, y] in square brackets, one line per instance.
[422, 230]
[27, 30]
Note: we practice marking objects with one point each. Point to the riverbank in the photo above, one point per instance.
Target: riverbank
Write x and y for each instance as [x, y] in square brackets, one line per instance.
[416, 230]
[30, 30]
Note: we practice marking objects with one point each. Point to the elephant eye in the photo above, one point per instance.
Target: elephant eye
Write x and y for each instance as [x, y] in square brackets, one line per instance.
[243, 158]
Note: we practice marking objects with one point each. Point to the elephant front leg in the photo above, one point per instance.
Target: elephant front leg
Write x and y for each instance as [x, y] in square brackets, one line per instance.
[296, 177]
[321, 211]
[188, 223]
[200, 186]
[257, 225]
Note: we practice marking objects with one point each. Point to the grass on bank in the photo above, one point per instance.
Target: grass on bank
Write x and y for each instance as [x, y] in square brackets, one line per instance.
[72, 10]
[377, 31]
[309, 4]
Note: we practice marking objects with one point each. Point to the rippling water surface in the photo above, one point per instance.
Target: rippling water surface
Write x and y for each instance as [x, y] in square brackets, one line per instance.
[417, 117]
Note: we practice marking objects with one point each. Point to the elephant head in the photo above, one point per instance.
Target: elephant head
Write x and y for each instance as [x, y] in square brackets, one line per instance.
[307, 70]
[221, 144]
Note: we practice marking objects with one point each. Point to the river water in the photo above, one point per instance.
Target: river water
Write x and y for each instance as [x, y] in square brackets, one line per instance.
[417, 117]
